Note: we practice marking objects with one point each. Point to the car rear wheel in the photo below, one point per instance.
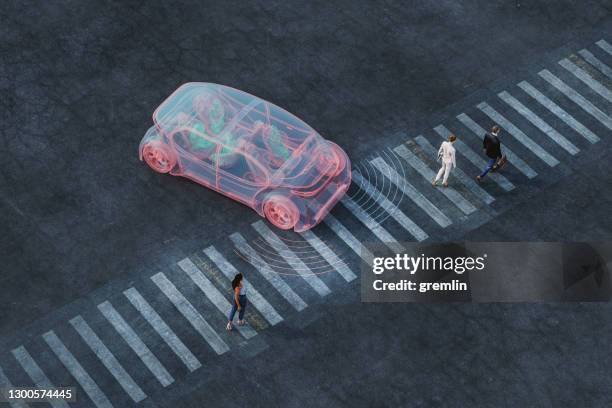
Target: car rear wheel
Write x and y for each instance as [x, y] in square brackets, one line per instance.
[281, 211]
[159, 157]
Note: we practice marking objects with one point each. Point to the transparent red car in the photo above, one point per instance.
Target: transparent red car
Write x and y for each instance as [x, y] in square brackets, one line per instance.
[250, 150]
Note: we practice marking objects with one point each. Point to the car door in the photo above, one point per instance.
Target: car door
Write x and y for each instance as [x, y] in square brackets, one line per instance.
[240, 177]
[196, 164]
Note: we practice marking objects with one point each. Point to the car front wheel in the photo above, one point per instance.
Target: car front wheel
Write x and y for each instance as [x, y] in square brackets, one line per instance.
[281, 211]
[158, 156]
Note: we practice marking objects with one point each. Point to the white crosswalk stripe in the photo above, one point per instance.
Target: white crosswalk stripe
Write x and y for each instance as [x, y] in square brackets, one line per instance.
[538, 122]
[329, 255]
[190, 313]
[392, 209]
[222, 303]
[348, 238]
[513, 158]
[474, 158]
[266, 271]
[292, 260]
[411, 192]
[604, 45]
[6, 383]
[108, 359]
[587, 79]
[576, 98]
[558, 111]
[466, 180]
[457, 199]
[596, 62]
[160, 326]
[77, 371]
[518, 134]
[378, 230]
[256, 299]
[37, 375]
[135, 343]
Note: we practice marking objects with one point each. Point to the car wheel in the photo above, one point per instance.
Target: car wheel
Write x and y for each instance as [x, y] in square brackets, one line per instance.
[159, 157]
[281, 211]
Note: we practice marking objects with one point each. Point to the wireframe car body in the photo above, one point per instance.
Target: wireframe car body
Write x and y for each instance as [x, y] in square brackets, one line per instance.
[250, 150]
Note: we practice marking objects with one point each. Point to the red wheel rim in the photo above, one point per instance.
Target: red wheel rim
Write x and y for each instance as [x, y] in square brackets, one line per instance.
[158, 158]
[281, 212]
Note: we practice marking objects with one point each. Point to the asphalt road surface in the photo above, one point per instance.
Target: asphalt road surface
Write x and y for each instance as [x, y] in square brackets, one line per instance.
[89, 232]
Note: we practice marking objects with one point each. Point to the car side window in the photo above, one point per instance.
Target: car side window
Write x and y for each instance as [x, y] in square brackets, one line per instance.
[192, 138]
[239, 166]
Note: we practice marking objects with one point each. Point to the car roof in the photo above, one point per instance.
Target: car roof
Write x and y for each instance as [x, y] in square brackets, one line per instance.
[244, 107]
[221, 115]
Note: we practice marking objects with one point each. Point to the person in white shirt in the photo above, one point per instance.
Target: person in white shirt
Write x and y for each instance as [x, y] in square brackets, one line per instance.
[446, 154]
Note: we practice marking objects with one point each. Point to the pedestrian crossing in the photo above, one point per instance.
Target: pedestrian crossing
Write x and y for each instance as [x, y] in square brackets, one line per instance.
[268, 273]
[558, 111]
[221, 302]
[428, 174]
[6, 383]
[539, 123]
[518, 134]
[136, 344]
[586, 78]
[190, 313]
[108, 359]
[577, 98]
[378, 230]
[412, 192]
[514, 159]
[391, 208]
[330, 256]
[291, 259]
[77, 371]
[604, 45]
[163, 328]
[348, 238]
[596, 62]
[474, 158]
[468, 181]
[260, 302]
[39, 378]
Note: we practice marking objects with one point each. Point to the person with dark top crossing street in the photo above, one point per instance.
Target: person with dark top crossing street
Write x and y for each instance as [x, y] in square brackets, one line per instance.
[239, 301]
[491, 145]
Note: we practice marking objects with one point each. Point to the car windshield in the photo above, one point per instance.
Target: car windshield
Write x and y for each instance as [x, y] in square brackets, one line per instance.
[214, 122]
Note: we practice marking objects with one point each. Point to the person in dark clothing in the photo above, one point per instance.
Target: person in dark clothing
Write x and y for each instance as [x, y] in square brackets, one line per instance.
[492, 148]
